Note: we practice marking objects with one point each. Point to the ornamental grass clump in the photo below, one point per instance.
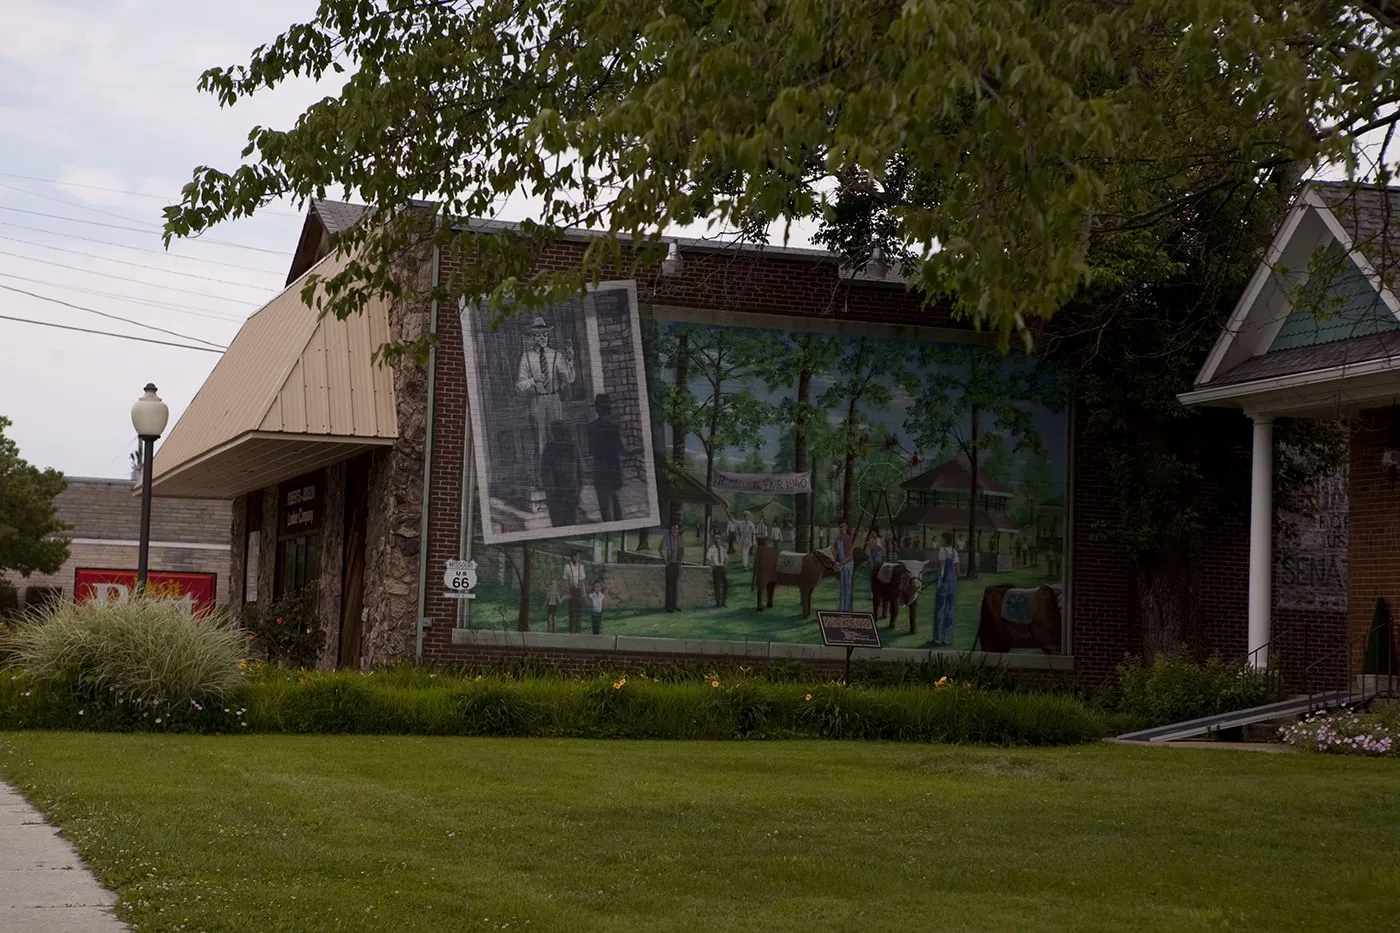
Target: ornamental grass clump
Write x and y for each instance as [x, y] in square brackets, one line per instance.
[152, 657]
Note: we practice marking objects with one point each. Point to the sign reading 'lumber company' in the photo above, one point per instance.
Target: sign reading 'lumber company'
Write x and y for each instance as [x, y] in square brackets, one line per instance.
[849, 629]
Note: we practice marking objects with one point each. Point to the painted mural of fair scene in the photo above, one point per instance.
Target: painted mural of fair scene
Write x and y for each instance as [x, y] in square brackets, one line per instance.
[807, 471]
[558, 405]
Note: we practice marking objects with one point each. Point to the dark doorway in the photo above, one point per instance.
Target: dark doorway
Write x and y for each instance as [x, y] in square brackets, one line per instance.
[352, 597]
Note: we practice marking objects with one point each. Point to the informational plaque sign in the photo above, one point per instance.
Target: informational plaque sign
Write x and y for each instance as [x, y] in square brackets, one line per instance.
[459, 580]
[849, 629]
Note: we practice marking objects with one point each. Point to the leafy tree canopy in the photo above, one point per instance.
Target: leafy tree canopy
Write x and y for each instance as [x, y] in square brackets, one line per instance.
[27, 519]
[986, 144]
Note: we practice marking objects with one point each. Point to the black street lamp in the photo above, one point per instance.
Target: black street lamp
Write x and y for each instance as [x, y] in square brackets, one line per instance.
[148, 416]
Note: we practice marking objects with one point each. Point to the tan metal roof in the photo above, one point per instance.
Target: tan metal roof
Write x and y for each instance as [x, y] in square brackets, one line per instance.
[291, 391]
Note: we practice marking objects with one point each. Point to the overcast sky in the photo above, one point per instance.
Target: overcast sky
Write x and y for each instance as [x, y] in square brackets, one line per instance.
[102, 126]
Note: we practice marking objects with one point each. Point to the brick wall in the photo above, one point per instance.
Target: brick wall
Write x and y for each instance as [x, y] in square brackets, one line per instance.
[107, 508]
[1374, 507]
[118, 557]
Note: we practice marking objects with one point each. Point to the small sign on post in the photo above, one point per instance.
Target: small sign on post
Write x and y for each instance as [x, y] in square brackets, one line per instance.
[459, 579]
[849, 630]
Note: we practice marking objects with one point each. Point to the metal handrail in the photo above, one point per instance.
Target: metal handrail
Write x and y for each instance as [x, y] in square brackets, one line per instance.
[1359, 696]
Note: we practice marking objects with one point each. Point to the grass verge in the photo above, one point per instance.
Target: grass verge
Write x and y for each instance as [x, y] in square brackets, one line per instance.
[311, 834]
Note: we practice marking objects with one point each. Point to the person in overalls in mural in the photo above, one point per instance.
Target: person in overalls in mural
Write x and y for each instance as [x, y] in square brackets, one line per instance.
[542, 374]
[845, 567]
[945, 600]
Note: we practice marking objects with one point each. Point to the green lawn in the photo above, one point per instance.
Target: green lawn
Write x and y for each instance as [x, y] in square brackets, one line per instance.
[281, 833]
[782, 623]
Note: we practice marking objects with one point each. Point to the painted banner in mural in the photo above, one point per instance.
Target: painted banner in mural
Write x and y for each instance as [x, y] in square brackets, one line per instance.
[195, 590]
[560, 422]
[934, 495]
[760, 482]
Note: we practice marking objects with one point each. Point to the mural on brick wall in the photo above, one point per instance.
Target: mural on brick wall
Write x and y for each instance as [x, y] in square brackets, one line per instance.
[800, 471]
[558, 406]
[1312, 561]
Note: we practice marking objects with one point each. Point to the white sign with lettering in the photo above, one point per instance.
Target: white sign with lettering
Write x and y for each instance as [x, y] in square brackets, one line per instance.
[460, 579]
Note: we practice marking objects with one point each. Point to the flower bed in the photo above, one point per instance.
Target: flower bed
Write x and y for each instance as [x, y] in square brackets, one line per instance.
[1374, 735]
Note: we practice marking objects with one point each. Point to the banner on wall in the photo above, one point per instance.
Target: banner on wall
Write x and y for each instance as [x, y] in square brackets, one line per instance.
[195, 590]
[763, 482]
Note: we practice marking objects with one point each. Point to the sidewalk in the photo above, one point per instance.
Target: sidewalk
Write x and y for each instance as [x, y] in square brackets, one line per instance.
[44, 888]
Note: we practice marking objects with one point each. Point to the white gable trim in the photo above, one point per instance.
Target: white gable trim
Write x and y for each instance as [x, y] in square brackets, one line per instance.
[1362, 263]
[1245, 305]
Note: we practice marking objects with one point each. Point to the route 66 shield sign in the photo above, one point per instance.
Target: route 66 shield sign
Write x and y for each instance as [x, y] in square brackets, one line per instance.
[460, 579]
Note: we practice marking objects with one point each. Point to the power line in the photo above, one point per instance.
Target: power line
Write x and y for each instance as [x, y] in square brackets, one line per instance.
[127, 262]
[122, 278]
[140, 249]
[79, 205]
[137, 194]
[97, 223]
[153, 303]
[104, 333]
[113, 317]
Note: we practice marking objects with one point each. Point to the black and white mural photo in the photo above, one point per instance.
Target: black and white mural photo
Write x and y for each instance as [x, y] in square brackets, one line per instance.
[560, 419]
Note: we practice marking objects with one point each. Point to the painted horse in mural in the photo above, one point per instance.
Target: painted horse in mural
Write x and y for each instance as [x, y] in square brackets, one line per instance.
[898, 583]
[1021, 618]
[790, 568]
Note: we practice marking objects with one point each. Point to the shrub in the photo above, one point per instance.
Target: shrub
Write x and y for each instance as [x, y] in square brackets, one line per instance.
[287, 632]
[9, 600]
[1348, 733]
[150, 657]
[1176, 688]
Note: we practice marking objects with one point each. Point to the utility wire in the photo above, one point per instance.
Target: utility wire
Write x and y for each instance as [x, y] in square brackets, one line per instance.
[137, 265]
[148, 232]
[127, 299]
[78, 204]
[123, 278]
[113, 317]
[141, 249]
[136, 194]
[104, 333]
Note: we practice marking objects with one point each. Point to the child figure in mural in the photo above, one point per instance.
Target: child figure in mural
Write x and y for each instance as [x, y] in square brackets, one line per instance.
[605, 447]
[596, 596]
[845, 567]
[561, 475]
[731, 531]
[945, 600]
[575, 574]
[542, 374]
[716, 559]
[551, 603]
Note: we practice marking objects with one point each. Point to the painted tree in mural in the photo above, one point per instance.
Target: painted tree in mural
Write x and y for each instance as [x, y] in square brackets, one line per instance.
[787, 364]
[859, 385]
[670, 349]
[29, 525]
[727, 414]
[960, 391]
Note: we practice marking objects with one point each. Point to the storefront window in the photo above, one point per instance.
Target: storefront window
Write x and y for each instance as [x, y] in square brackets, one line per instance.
[298, 534]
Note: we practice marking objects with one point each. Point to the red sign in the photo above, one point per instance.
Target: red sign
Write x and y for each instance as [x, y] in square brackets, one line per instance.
[196, 590]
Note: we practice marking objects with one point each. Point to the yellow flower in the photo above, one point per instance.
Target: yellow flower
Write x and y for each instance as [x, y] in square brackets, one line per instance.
[809, 697]
[620, 684]
[478, 676]
[714, 683]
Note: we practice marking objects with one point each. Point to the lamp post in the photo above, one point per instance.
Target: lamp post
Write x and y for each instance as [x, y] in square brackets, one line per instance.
[148, 416]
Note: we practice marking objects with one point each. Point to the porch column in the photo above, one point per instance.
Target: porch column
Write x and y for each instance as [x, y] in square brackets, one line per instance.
[1261, 539]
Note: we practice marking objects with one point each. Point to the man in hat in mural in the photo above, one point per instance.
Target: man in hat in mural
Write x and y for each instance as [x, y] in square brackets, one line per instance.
[605, 447]
[543, 372]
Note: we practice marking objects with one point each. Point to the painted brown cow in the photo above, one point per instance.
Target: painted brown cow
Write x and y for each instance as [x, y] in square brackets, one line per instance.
[789, 568]
[1042, 630]
[897, 583]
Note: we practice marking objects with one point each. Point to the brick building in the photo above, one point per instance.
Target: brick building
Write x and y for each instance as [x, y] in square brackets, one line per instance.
[104, 517]
[329, 460]
[1314, 337]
